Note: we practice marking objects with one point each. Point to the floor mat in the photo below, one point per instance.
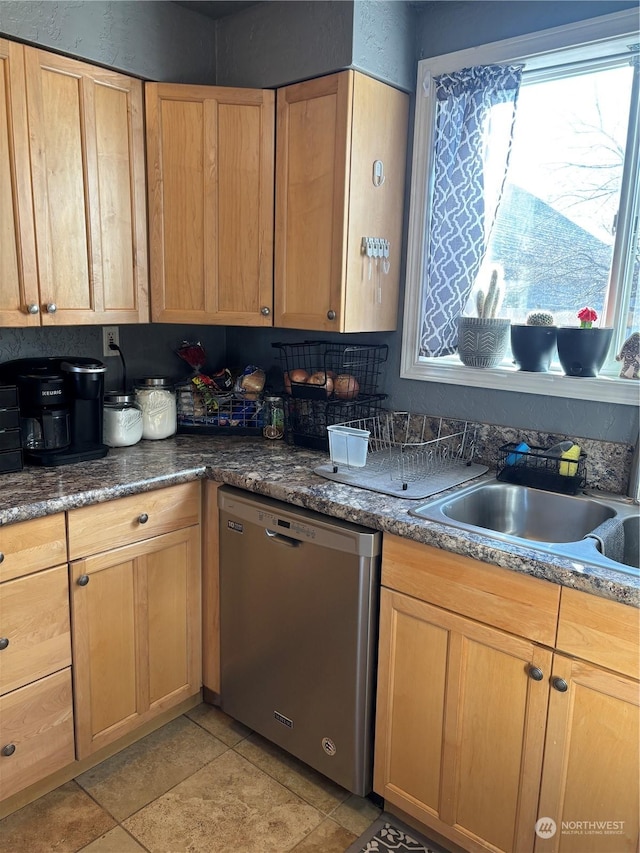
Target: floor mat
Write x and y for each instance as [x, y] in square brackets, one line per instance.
[389, 835]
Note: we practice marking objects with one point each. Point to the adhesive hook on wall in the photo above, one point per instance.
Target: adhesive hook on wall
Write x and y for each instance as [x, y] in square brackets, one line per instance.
[378, 173]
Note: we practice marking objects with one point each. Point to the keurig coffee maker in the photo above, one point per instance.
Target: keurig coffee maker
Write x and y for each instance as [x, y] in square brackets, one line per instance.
[60, 408]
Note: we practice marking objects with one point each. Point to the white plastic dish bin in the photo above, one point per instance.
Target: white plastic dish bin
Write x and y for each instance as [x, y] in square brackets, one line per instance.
[348, 445]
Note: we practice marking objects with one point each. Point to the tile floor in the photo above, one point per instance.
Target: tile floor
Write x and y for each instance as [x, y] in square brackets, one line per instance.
[201, 784]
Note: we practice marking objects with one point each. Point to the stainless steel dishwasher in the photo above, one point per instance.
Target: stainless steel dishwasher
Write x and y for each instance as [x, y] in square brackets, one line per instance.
[298, 621]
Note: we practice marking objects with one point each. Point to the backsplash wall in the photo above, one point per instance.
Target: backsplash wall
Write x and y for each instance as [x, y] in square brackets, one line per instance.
[149, 350]
[590, 419]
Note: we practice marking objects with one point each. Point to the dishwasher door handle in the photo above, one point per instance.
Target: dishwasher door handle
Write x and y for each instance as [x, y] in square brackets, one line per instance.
[279, 537]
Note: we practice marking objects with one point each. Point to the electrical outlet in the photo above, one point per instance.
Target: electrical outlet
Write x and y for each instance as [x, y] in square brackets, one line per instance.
[110, 335]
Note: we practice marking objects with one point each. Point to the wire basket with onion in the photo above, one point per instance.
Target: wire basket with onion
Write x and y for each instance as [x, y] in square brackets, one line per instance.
[328, 383]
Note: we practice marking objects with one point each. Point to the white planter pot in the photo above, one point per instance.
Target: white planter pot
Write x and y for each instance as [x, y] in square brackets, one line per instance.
[482, 342]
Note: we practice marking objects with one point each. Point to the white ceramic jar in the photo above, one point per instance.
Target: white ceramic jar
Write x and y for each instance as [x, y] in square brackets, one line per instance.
[121, 420]
[157, 398]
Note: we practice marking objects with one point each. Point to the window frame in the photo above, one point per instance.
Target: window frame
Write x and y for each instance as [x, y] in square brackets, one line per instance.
[532, 48]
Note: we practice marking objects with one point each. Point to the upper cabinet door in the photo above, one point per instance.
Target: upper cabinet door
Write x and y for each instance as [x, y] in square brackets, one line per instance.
[87, 166]
[19, 299]
[312, 162]
[210, 154]
[340, 169]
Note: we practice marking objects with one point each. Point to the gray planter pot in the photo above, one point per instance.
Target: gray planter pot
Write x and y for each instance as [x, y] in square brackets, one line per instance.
[482, 342]
[582, 352]
[533, 347]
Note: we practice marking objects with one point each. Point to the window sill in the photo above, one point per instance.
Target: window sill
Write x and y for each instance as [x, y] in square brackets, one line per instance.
[604, 389]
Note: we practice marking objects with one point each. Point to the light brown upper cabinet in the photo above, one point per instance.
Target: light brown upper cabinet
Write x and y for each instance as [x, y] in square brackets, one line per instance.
[18, 265]
[210, 160]
[340, 171]
[75, 144]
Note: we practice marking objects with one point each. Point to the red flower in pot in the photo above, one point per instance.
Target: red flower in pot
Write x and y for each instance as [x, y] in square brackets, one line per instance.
[582, 350]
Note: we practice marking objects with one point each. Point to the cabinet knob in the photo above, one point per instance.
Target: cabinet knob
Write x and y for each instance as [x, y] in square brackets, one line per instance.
[33, 308]
[560, 684]
[331, 315]
[83, 580]
[51, 308]
[1, 557]
[9, 749]
[265, 311]
[143, 518]
[4, 642]
[536, 673]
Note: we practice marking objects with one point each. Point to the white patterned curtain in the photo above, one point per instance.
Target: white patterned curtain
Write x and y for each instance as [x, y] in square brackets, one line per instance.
[458, 226]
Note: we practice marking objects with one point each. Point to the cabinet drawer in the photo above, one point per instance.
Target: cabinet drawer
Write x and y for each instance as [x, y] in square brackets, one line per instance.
[110, 525]
[598, 630]
[516, 603]
[32, 545]
[9, 419]
[37, 721]
[8, 396]
[34, 619]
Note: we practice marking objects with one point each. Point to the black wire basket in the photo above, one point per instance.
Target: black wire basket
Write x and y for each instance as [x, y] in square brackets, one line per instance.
[307, 420]
[358, 365]
[224, 414]
[541, 470]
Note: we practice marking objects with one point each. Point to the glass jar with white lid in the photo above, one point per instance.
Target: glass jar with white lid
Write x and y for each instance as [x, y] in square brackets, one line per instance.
[121, 419]
[156, 397]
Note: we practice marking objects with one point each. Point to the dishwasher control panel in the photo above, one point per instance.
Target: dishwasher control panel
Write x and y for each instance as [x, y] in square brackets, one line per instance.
[284, 525]
[239, 510]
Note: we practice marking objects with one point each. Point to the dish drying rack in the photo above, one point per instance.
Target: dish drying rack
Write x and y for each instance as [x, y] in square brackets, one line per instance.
[404, 455]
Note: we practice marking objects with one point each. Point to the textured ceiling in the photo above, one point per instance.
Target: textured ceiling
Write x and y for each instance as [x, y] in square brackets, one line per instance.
[216, 8]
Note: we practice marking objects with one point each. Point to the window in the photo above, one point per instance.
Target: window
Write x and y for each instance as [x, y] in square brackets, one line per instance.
[566, 231]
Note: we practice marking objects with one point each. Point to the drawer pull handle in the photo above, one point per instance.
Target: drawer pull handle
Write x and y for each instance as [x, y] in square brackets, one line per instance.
[4, 642]
[536, 673]
[560, 684]
[143, 518]
[1, 557]
[9, 749]
[83, 580]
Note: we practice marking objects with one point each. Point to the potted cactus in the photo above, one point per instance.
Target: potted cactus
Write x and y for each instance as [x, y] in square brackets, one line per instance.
[482, 340]
[534, 342]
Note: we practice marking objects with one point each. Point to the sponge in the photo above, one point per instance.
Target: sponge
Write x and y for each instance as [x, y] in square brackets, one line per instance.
[517, 457]
[570, 469]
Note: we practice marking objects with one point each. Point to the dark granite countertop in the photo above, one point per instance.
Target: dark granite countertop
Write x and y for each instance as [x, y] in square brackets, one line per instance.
[286, 473]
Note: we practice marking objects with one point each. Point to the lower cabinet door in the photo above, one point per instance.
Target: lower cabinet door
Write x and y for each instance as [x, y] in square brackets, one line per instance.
[590, 782]
[37, 732]
[460, 724]
[137, 634]
[34, 620]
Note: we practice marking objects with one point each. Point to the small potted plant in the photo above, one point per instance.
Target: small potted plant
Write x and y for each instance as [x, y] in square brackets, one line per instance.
[533, 342]
[482, 340]
[582, 349]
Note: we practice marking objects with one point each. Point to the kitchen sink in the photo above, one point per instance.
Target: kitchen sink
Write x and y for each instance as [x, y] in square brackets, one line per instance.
[631, 526]
[542, 520]
[525, 513]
